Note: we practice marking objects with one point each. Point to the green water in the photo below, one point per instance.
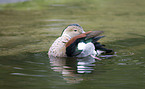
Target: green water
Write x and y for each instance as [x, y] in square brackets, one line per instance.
[28, 29]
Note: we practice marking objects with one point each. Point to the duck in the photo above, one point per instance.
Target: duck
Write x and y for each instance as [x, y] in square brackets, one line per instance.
[75, 42]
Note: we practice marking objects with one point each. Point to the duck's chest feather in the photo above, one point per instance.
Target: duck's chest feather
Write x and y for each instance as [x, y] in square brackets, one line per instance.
[58, 48]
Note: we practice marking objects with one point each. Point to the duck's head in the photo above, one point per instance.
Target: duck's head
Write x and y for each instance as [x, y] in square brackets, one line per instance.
[72, 30]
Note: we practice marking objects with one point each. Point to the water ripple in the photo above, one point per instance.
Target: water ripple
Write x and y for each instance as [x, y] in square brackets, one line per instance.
[22, 74]
[17, 68]
[34, 62]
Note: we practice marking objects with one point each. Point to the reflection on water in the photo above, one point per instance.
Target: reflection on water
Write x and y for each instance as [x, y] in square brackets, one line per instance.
[71, 68]
[37, 71]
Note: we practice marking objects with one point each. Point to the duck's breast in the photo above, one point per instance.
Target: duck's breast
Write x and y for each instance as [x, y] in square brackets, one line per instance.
[58, 48]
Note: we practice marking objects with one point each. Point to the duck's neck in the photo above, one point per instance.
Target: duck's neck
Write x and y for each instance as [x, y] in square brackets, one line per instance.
[66, 35]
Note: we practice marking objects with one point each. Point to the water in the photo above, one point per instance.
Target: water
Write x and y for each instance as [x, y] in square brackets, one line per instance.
[38, 71]
[27, 35]
[11, 1]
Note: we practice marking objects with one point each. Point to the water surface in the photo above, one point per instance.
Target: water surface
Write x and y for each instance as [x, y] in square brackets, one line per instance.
[27, 35]
[11, 1]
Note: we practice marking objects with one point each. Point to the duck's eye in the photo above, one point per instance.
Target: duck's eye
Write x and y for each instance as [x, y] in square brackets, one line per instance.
[75, 30]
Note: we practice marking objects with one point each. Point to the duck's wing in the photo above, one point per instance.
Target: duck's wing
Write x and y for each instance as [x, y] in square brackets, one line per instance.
[93, 34]
[71, 49]
[71, 46]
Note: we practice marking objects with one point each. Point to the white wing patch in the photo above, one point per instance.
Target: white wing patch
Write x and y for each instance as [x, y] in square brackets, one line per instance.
[88, 49]
[81, 46]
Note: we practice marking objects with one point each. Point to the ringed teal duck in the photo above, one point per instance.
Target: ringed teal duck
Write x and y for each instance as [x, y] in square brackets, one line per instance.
[75, 42]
